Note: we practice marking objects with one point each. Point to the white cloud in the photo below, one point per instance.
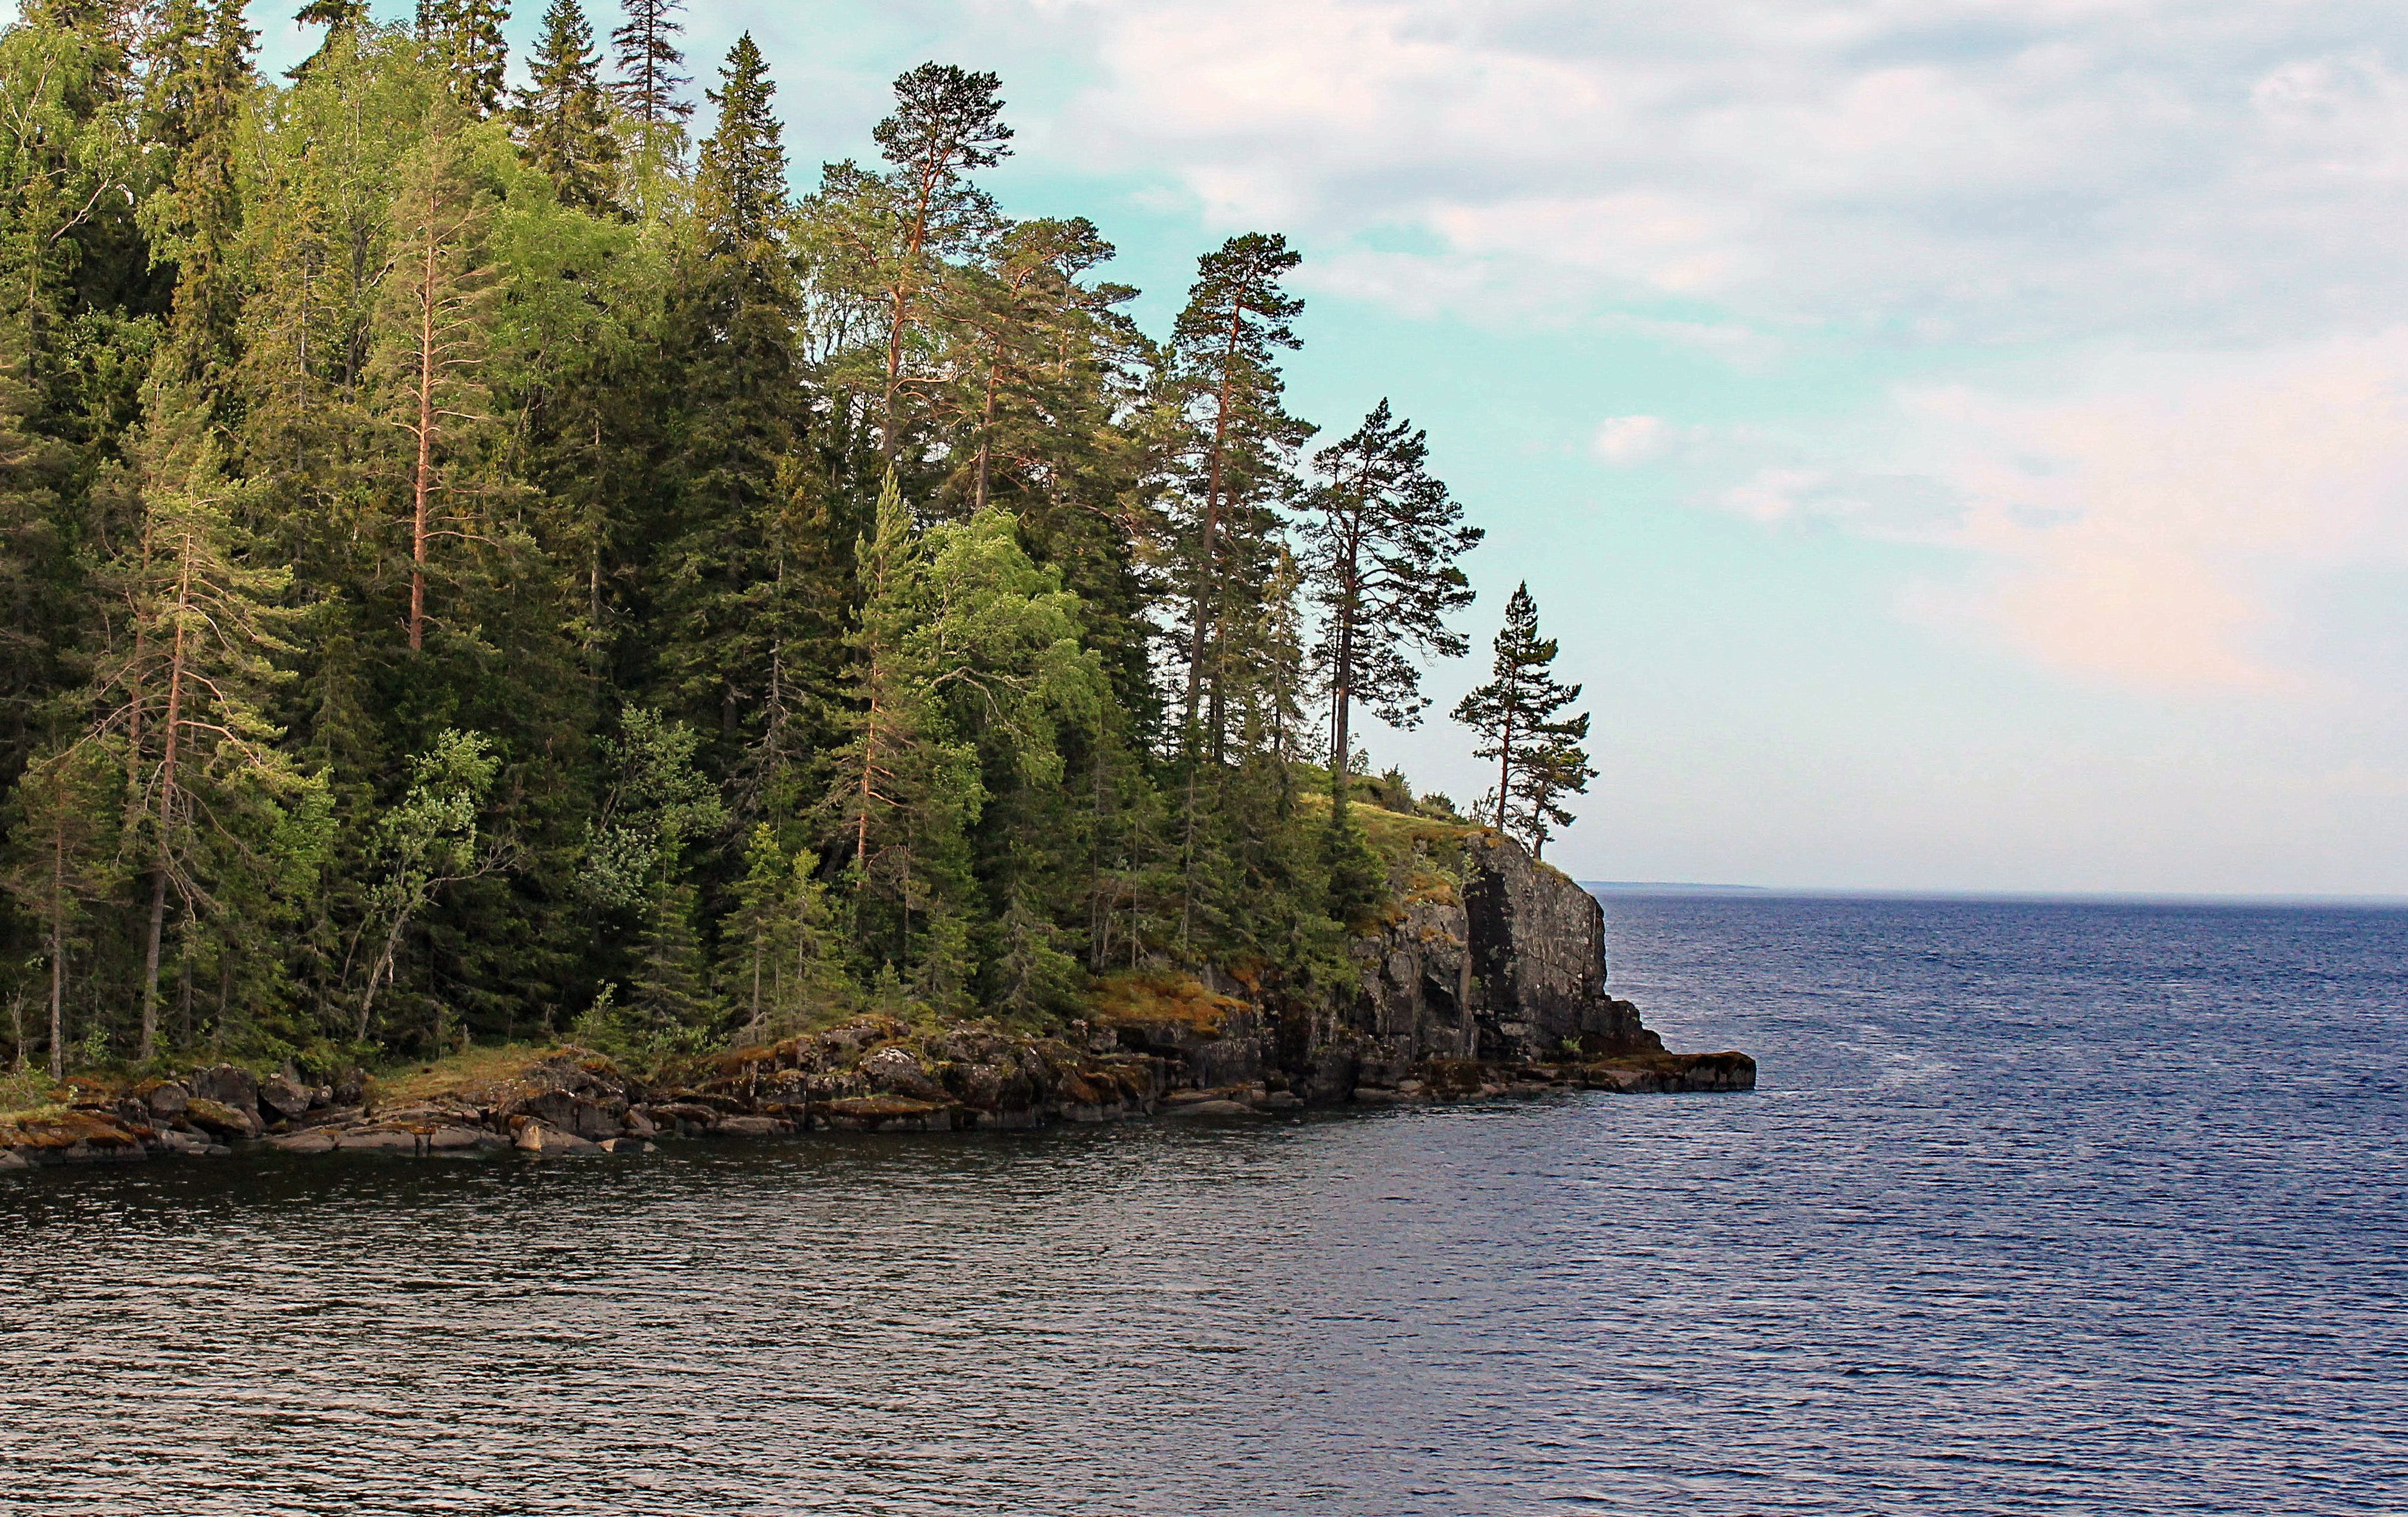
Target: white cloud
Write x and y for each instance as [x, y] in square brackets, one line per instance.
[2166, 523]
[1967, 167]
[1630, 439]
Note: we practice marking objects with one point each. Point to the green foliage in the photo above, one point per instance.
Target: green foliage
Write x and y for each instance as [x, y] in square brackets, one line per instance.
[468, 572]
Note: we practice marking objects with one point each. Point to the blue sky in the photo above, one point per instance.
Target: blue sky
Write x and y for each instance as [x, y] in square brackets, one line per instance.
[1960, 445]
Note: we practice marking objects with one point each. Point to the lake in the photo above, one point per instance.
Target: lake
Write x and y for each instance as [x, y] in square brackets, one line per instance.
[2038, 1207]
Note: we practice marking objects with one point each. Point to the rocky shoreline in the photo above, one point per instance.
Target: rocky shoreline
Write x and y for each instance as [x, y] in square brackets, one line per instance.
[873, 1075]
[1487, 979]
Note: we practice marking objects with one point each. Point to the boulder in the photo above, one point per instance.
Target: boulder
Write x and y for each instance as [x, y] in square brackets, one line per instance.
[1215, 1107]
[286, 1097]
[453, 1140]
[225, 1120]
[11, 1159]
[165, 1099]
[309, 1141]
[351, 1088]
[537, 1139]
[886, 1114]
[227, 1085]
[754, 1126]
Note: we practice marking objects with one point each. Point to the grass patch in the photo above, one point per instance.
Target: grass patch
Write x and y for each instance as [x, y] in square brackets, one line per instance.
[1394, 834]
[24, 1093]
[477, 1068]
[1144, 996]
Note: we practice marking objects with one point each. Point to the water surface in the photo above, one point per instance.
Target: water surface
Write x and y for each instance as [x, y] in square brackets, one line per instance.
[2040, 1208]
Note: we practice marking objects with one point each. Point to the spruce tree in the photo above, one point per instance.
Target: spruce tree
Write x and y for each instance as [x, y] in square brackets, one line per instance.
[1518, 716]
[466, 39]
[63, 860]
[563, 116]
[729, 579]
[198, 91]
[190, 693]
[645, 48]
[1380, 539]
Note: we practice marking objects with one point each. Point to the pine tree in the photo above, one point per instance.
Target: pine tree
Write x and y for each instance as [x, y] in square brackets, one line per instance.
[432, 342]
[466, 36]
[947, 121]
[645, 48]
[563, 116]
[1382, 537]
[1517, 714]
[1226, 383]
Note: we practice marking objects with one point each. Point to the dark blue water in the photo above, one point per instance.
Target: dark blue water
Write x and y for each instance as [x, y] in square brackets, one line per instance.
[2041, 1208]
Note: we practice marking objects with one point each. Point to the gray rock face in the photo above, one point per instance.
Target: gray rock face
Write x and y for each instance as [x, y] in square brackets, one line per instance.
[1499, 958]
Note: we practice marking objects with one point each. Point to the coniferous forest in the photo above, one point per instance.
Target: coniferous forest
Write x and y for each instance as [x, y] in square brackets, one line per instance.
[488, 560]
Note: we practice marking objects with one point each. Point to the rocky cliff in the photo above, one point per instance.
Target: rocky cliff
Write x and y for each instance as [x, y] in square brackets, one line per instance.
[1486, 978]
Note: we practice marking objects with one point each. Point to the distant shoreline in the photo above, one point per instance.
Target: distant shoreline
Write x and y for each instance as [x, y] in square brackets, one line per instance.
[2006, 898]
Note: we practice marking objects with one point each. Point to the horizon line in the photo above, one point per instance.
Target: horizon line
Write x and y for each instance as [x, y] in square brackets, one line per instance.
[2136, 897]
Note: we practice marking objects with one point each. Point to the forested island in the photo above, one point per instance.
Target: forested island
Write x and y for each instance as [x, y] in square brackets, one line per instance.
[493, 564]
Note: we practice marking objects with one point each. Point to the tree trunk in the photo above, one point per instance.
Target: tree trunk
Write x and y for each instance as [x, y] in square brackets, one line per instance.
[422, 476]
[986, 437]
[1504, 769]
[1204, 596]
[172, 731]
[58, 926]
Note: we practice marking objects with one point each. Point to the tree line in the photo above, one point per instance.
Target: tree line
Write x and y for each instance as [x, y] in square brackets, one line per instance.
[482, 559]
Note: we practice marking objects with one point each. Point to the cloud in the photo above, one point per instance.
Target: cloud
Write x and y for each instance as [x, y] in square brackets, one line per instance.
[1949, 168]
[2167, 521]
[1630, 439]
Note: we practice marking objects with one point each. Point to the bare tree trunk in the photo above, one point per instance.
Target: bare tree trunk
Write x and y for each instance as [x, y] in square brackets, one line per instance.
[172, 731]
[58, 946]
[421, 477]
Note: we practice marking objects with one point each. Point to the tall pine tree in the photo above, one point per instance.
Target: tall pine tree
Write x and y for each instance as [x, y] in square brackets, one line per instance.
[1518, 715]
[1380, 539]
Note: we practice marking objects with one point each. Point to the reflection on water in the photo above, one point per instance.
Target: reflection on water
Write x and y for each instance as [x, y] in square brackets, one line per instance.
[2040, 1209]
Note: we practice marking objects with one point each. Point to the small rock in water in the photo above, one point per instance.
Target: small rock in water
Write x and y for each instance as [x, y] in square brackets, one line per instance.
[1218, 1108]
[535, 1138]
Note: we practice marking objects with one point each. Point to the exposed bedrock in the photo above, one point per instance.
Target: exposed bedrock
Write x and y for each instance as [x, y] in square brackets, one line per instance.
[1486, 978]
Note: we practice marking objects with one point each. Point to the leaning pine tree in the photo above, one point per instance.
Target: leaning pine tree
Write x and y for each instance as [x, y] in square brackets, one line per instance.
[1517, 715]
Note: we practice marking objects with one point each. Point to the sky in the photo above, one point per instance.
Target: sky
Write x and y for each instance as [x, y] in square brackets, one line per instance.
[1959, 445]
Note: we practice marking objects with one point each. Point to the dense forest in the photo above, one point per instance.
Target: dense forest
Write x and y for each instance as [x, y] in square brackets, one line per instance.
[484, 560]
